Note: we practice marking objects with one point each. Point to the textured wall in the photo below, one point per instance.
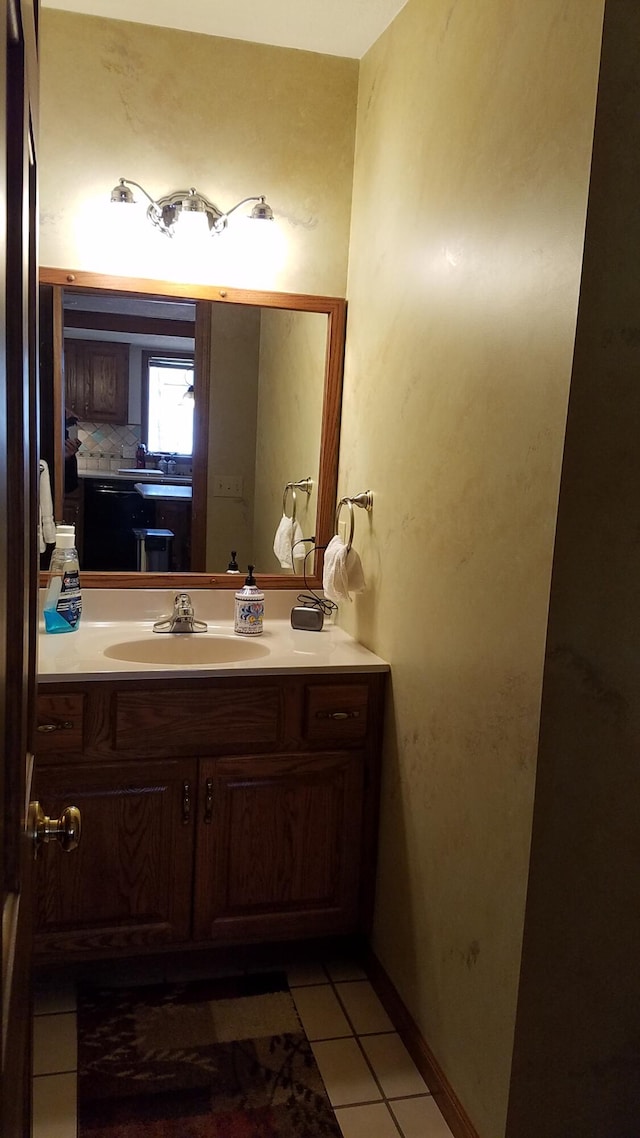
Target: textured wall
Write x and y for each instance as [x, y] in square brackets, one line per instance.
[233, 410]
[174, 109]
[472, 164]
[292, 357]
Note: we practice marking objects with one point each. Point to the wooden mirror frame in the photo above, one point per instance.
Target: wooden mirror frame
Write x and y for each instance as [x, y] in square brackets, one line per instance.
[335, 309]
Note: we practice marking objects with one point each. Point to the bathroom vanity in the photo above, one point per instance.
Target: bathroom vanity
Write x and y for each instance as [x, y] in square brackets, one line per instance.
[220, 804]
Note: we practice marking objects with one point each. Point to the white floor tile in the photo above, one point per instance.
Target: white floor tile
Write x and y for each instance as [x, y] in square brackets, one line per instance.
[54, 1106]
[371, 1121]
[420, 1118]
[305, 973]
[345, 1072]
[363, 1007]
[344, 970]
[395, 1070]
[320, 1012]
[55, 1047]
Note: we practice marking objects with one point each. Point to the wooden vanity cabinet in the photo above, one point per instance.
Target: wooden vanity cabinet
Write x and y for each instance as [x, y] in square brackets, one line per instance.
[214, 811]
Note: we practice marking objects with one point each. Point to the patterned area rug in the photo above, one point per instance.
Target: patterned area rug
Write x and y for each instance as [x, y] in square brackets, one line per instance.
[217, 1058]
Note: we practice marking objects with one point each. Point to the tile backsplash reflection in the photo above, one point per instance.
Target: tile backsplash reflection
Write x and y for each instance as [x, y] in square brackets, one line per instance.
[105, 445]
[108, 447]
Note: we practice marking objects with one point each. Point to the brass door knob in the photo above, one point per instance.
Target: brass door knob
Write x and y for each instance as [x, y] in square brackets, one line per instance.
[67, 829]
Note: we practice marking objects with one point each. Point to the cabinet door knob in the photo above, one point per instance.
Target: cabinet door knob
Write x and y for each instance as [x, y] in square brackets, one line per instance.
[186, 803]
[208, 802]
[67, 829]
[61, 725]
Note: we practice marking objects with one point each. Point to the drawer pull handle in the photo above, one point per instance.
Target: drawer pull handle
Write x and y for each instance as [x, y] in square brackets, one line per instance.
[186, 803]
[208, 802]
[62, 725]
[337, 714]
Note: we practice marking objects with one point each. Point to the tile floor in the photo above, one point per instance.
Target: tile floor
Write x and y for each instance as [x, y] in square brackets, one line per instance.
[372, 1082]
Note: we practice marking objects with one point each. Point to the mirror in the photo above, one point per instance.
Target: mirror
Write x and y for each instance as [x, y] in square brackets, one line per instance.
[265, 403]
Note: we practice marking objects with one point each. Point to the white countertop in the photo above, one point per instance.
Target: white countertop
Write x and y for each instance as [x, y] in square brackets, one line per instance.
[167, 492]
[155, 475]
[81, 655]
[151, 476]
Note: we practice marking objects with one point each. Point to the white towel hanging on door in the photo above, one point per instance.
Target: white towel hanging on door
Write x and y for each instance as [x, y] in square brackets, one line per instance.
[46, 523]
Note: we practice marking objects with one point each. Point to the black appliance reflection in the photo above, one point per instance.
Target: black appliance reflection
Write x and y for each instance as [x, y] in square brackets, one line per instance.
[112, 511]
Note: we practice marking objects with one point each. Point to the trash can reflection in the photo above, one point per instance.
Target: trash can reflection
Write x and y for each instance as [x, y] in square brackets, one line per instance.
[153, 550]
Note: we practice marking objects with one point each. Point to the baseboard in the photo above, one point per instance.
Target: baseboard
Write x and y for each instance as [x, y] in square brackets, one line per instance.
[422, 1055]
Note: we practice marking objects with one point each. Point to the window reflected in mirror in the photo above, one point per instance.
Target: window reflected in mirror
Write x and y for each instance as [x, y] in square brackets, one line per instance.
[167, 405]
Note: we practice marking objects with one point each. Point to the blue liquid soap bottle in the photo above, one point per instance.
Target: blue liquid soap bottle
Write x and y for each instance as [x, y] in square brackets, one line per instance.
[63, 600]
[249, 607]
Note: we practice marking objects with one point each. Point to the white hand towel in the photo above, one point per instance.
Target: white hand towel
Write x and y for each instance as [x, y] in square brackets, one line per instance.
[342, 572]
[282, 541]
[287, 534]
[46, 524]
[298, 551]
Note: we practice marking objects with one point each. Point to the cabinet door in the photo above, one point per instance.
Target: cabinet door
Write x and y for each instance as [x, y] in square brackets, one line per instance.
[278, 846]
[129, 881]
[75, 398]
[97, 380]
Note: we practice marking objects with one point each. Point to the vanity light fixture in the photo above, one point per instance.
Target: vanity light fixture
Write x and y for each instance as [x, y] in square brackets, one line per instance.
[175, 208]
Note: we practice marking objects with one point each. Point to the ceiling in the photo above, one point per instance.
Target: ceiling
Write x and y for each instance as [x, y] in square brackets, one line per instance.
[334, 27]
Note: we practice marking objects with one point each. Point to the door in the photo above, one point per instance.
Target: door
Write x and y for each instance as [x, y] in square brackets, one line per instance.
[18, 568]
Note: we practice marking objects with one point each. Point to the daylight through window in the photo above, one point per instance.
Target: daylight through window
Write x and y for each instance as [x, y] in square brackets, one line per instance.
[170, 405]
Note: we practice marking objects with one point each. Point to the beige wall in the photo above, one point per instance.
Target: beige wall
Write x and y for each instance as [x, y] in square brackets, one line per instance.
[173, 109]
[472, 164]
[292, 362]
[233, 410]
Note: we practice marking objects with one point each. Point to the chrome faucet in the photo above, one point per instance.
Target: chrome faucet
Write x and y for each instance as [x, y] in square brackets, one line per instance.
[182, 619]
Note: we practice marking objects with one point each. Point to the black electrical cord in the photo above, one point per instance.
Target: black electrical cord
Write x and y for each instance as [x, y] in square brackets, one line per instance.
[311, 599]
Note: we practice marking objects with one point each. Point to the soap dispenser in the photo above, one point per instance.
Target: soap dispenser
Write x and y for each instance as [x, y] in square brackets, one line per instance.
[233, 564]
[249, 607]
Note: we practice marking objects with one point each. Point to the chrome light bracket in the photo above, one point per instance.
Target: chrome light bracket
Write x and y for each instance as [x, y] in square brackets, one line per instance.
[164, 211]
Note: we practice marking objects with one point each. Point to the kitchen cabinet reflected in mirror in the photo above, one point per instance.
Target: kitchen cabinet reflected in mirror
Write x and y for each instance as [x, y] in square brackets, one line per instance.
[191, 416]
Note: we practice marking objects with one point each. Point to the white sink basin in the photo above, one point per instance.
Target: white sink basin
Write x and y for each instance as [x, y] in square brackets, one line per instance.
[186, 648]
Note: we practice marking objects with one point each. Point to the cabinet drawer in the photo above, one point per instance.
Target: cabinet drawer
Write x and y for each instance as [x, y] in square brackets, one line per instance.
[59, 724]
[186, 721]
[336, 713]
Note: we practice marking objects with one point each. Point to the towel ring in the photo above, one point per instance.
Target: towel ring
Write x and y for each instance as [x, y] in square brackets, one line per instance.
[305, 485]
[364, 501]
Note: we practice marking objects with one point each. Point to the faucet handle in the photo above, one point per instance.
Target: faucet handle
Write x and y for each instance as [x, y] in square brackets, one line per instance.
[183, 605]
[182, 618]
